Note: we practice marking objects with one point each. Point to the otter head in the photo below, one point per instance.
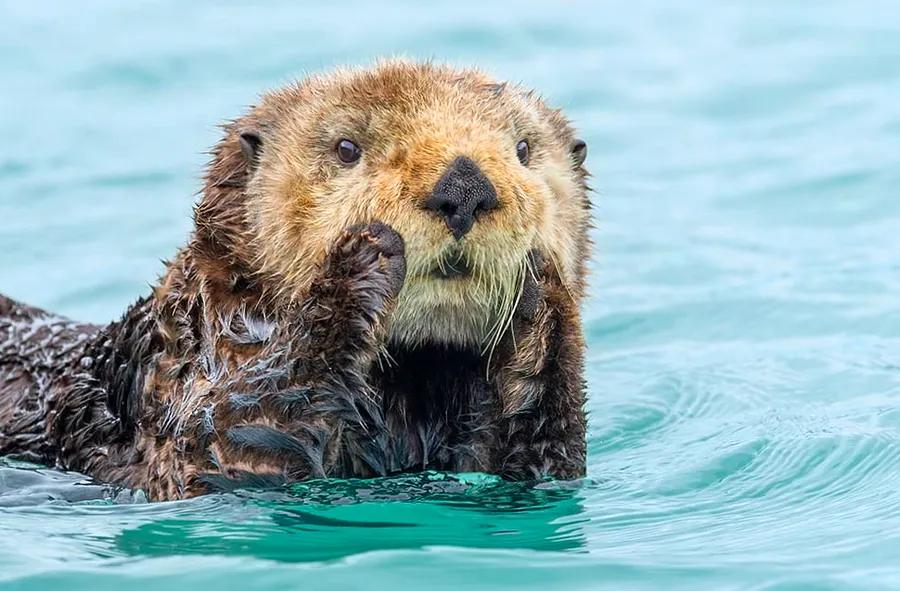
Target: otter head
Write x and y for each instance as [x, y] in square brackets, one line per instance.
[473, 174]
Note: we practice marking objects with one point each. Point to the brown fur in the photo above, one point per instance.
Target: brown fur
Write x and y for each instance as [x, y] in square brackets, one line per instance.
[302, 331]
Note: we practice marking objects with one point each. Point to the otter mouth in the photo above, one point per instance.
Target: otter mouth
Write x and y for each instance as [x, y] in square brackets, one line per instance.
[452, 265]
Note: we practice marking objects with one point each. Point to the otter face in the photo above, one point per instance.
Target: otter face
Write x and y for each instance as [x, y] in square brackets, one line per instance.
[473, 175]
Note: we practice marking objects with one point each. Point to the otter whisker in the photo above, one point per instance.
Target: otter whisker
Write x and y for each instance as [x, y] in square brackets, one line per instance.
[511, 300]
[384, 359]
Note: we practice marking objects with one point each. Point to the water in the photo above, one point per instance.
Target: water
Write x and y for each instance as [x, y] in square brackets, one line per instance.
[744, 327]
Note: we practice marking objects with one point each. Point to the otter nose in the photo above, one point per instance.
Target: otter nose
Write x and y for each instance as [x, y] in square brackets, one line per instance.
[461, 195]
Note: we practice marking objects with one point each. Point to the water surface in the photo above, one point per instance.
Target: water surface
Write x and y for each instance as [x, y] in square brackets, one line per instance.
[744, 325]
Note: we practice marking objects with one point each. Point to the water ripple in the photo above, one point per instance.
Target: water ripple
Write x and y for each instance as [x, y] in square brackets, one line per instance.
[743, 331]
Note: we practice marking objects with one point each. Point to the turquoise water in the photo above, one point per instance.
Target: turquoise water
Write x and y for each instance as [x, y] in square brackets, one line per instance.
[744, 326]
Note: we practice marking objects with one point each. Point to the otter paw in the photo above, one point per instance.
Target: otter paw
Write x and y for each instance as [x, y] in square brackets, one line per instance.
[531, 291]
[376, 245]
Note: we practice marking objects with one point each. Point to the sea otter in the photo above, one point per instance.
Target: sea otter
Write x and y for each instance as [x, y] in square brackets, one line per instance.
[384, 276]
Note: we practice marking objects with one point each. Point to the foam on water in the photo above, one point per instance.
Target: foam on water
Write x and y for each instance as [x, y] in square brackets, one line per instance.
[744, 329]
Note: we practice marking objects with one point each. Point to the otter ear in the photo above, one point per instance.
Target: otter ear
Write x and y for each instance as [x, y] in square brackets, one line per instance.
[251, 144]
[578, 150]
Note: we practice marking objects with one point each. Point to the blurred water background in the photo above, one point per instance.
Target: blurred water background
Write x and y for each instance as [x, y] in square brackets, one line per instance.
[744, 324]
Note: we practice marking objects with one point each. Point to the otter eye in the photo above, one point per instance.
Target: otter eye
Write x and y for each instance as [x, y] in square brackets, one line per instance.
[523, 151]
[347, 151]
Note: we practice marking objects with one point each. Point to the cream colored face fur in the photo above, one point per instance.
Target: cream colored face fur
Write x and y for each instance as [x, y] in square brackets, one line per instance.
[411, 121]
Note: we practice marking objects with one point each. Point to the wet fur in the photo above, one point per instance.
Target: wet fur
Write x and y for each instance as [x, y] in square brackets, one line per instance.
[296, 336]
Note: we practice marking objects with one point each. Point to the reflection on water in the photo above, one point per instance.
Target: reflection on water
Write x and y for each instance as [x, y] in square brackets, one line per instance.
[23, 484]
[328, 520]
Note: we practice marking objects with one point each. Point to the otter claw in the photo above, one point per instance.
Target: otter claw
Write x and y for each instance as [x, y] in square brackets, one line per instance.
[388, 245]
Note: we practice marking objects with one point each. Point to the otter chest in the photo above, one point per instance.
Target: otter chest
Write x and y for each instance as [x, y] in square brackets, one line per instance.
[437, 406]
